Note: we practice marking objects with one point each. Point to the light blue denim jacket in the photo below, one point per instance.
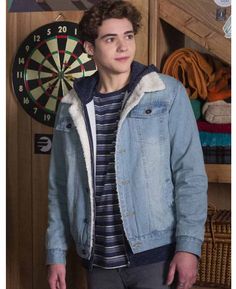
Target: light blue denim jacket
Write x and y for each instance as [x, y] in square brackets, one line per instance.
[160, 174]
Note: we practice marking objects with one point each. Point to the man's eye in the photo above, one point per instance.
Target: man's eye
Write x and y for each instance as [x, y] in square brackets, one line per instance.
[109, 40]
[130, 36]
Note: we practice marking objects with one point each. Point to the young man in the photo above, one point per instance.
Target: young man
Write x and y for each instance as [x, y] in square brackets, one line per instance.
[127, 180]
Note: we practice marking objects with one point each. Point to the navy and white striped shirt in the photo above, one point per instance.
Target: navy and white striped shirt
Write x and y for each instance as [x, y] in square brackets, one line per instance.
[109, 250]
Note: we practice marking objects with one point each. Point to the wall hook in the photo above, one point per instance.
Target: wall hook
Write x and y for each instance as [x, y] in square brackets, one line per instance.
[60, 17]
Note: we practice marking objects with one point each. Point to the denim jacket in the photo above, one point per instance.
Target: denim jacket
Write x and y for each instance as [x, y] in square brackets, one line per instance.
[160, 175]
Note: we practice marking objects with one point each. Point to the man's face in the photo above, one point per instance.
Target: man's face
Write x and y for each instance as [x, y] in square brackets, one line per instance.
[115, 47]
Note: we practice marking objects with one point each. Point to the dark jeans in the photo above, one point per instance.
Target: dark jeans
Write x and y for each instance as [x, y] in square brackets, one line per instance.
[152, 276]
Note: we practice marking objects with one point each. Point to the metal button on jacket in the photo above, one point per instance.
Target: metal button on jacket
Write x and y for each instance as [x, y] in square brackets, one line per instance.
[148, 111]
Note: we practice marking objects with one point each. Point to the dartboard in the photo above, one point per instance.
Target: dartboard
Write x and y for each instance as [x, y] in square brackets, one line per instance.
[45, 66]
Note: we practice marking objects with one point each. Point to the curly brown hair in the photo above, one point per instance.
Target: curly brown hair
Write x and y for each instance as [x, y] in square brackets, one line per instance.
[106, 9]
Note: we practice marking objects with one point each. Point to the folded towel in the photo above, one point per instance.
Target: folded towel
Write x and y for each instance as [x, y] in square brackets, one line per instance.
[213, 127]
[217, 111]
[215, 139]
[192, 69]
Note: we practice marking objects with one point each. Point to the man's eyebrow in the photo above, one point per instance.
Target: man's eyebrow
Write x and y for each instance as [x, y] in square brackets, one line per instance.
[108, 35]
[128, 32]
[114, 34]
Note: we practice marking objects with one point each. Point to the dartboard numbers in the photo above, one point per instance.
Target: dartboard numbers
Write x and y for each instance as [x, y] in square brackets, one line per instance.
[19, 74]
[45, 66]
[62, 29]
[21, 61]
[37, 38]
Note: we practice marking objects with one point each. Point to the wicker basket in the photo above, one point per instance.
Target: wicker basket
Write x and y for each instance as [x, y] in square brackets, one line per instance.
[215, 263]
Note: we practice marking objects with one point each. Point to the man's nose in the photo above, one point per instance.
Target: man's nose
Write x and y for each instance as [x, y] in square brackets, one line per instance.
[122, 45]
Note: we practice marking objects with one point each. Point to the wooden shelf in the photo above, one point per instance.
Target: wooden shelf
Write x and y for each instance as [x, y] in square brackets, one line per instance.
[218, 173]
[196, 19]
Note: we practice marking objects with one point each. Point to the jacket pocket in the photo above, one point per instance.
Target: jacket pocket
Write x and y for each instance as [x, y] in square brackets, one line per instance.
[149, 124]
[65, 124]
[149, 111]
[70, 136]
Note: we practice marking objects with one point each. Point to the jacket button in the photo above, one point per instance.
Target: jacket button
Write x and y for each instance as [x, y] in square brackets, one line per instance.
[69, 125]
[148, 111]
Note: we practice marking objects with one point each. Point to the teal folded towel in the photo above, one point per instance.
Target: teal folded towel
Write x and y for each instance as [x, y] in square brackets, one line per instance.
[215, 139]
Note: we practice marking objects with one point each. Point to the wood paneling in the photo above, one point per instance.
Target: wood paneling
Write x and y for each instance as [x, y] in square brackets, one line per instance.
[220, 195]
[218, 173]
[142, 36]
[19, 198]
[197, 20]
[153, 23]
[163, 38]
[204, 10]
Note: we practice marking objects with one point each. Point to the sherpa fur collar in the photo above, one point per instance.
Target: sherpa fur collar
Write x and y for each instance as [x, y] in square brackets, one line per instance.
[149, 83]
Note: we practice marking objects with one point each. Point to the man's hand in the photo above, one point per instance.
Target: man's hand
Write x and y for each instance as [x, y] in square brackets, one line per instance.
[186, 265]
[57, 276]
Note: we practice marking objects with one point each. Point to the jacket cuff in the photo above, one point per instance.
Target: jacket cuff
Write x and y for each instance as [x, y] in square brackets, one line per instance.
[188, 244]
[56, 256]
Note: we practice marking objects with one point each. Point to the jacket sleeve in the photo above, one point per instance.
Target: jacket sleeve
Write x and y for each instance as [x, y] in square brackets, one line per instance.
[188, 173]
[58, 233]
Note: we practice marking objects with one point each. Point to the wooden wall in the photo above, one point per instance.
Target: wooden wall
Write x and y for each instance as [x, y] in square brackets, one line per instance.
[27, 173]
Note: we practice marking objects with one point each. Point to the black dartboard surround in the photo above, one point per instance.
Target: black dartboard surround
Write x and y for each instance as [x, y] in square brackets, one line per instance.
[44, 68]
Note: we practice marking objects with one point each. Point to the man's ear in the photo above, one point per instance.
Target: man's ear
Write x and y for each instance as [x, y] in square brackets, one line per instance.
[89, 48]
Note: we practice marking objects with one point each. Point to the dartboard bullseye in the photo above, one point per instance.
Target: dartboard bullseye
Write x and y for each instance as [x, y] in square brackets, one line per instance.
[45, 66]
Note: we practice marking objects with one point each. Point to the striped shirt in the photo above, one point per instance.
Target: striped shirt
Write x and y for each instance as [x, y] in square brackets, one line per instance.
[109, 248]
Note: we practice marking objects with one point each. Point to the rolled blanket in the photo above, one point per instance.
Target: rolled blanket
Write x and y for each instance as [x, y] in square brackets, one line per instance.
[213, 127]
[217, 155]
[217, 111]
[215, 139]
[191, 68]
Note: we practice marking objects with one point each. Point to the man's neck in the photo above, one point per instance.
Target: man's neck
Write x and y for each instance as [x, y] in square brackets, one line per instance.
[109, 83]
